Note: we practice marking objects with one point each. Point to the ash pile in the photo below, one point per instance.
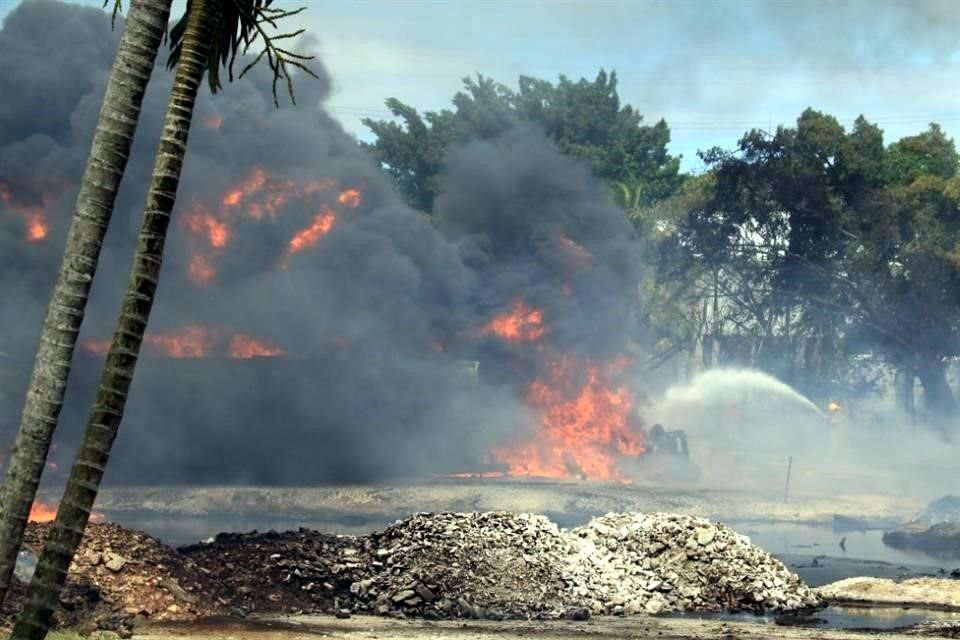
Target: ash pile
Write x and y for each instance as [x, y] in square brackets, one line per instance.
[503, 565]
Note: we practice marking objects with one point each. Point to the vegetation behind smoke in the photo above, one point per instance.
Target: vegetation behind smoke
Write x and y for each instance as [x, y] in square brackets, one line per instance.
[824, 256]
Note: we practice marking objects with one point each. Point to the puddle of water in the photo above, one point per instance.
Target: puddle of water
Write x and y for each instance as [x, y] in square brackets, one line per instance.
[837, 617]
[786, 539]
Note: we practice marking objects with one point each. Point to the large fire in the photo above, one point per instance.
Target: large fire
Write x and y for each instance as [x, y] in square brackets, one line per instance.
[195, 341]
[585, 423]
[261, 197]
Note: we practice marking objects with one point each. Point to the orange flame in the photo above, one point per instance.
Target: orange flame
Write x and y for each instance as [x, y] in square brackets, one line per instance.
[521, 324]
[40, 512]
[189, 342]
[195, 341]
[213, 121]
[305, 238]
[260, 197]
[33, 216]
[349, 198]
[200, 269]
[245, 347]
[200, 221]
[584, 427]
[258, 178]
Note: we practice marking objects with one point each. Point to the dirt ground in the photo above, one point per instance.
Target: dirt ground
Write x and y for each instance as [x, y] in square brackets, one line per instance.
[373, 628]
[925, 592]
[365, 507]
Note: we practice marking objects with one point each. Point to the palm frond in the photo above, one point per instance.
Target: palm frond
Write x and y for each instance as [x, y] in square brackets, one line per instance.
[241, 25]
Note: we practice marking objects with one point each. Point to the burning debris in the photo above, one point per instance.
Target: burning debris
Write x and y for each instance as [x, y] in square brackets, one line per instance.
[301, 298]
[195, 342]
[493, 565]
[586, 424]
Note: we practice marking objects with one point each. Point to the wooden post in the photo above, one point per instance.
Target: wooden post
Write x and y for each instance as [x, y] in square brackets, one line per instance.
[786, 487]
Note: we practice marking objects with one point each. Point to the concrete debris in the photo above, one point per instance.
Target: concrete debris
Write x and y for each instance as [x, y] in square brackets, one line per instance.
[502, 565]
[118, 575]
[493, 565]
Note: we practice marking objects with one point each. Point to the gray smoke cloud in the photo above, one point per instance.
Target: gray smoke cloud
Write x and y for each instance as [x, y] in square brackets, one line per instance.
[373, 321]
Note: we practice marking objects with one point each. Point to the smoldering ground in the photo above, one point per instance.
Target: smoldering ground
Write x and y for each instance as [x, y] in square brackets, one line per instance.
[371, 322]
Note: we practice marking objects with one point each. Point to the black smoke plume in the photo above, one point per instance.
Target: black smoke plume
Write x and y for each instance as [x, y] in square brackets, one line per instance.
[373, 322]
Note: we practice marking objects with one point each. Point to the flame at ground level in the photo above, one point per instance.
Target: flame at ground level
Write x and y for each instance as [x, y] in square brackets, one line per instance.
[195, 341]
[42, 512]
[585, 424]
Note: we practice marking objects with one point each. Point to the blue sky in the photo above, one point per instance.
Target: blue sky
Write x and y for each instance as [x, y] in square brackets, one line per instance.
[711, 68]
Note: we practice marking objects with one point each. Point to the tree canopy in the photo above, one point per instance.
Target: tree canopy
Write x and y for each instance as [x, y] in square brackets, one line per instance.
[800, 251]
[825, 243]
[585, 119]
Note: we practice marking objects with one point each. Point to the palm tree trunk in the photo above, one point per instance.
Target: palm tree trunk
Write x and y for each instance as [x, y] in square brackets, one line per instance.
[107, 412]
[116, 125]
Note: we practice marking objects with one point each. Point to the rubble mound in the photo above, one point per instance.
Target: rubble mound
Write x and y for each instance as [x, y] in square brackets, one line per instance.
[117, 575]
[489, 565]
[291, 572]
[653, 563]
[493, 565]
[505, 565]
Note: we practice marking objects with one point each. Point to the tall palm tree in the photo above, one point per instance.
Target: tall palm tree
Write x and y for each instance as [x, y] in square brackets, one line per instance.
[210, 34]
[116, 125]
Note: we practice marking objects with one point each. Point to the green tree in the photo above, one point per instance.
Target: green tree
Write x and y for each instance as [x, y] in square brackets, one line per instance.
[585, 119]
[775, 233]
[116, 126]
[905, 264]
[930, 153]
[209, 36]
[823, 243]
[670, 314]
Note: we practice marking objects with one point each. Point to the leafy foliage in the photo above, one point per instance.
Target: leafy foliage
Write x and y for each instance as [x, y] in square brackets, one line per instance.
[827, 244]
[242, 23]
[584, 118]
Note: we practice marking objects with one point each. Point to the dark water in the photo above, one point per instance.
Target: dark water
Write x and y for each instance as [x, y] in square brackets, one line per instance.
[851, 618]
[800, 539]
